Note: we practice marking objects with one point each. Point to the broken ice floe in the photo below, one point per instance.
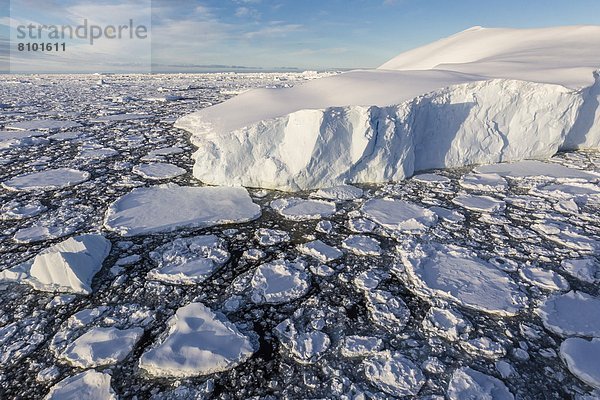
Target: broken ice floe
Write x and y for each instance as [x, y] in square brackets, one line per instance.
[582, 357]
[298, 209]
[158, 171]
[466, 383]
[279, 281]
[573, 313]
[399, 215]
[394, 374]
[49, 179]
[89, 384]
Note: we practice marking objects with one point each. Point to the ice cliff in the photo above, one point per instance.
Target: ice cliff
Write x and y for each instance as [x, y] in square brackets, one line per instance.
[480, 96]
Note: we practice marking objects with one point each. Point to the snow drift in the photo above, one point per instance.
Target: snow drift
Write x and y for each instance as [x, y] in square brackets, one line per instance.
[480, 96]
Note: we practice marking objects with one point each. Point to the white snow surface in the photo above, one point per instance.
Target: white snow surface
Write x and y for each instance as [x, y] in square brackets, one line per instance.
[89, 385]
[199, 342]
[478, 97]
[399, 215]
[68, 266]
[49, 179]
[279, 281]
[158, 170]
[394, 374]
[165, 208]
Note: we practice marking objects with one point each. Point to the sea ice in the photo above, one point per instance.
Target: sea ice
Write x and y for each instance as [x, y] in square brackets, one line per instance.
[158, 170]
[338, 193]
[466, 383]
[430, 178]
[362, 245]
[101, 346]
[166, 208]
[279, 281]
[269, 237]
[399, 215]
[49, 179]
[585, 269]
[319, 250]
[198, 342]
[89, 385]
[394, 374]
[297, 209]
[483, 182]
[15, 210]
[479, 203]
[305, 346]
[68, 266]
[573, 313]
[386, 310]
[457, 274]
[533, 168]
[446, 323]
[544, 278]
[360, 346]
[43, 125]
[188, 261]
[582, 357]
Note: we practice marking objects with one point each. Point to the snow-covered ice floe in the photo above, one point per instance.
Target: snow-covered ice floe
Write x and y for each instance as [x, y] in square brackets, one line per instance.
[573, 313]
[165, 208]
[279, 281]
[457, 274]
[89, 385]
[49, 179]
[198, 342]
[394, 374]
[480, 96]
[582, 357]
[297, 209]
[158, 170]
[68, 266]
[399, 215]
[466, 383]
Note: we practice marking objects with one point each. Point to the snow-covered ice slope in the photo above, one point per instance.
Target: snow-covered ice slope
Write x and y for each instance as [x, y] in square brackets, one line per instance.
[480, 96]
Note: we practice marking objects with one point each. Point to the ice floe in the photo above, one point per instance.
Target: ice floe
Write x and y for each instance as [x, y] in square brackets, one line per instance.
[479, 203]
[585, 269]
[362, 245]
[393, 373]
[544, 278]
[279, 281]
[158, 171]
[297, 209]
[101, 346]
[166, 208]
[305, 346]
[43, 125]
[68, 266]
[319, 250]
[573, 313]
[466, 383]
[269, 237]
[533, 168]
[582, 357]
[446, 323]
[89, 385]
[188, 261]
[49, 179]
[483, 182]
[386, 310]
[399, 215]
[198, 342]
[360, 346]
[338, 193]
[457, 274]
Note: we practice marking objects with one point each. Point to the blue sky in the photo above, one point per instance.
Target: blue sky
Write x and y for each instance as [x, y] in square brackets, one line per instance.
[307, 34]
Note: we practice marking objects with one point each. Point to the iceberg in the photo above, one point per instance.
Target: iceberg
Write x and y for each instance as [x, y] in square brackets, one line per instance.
[481, 96]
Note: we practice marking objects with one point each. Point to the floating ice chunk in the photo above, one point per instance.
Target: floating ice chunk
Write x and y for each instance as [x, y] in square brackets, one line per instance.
[188, 261]
[573, 313]
[544, 278]
[101, 346]
[362, 245]
[15, 210]
[269, 237]
[483, 182]
[583, 359]
[165, 151]
[253, 254]
[483, 346]
[157, 171]
[447, 323]
[12, 139]
[361, 225]
[504, 368]
[198, 342]
[466, 383]
[38, 233]
[91, 152]
[166, 208]
[120, 117]
[88, 385]
[306, 347]
[479, 203]
[533, 168]
[386, 310]
[447, 214]
[43, 125]
[320, 251]
[567, 235]
[297, 209]
[360, 346]
[430, 178]
[65, 136]
[339, 193]
[457, 274]
[399, 215]
[324, 226]
[585, 269]
[49, 179]
[279, 281]
[68, 266]
[504, 264]
[394, 374]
